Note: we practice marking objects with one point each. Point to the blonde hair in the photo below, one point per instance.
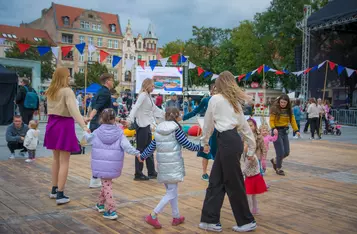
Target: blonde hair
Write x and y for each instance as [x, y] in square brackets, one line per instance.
[145, 85]
[33, 124]
[59, 80]
[264, 126]
[228, 88]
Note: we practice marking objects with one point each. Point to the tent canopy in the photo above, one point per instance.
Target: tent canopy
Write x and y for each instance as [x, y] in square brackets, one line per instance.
[93, 88]
[7, 76]
[334, 10]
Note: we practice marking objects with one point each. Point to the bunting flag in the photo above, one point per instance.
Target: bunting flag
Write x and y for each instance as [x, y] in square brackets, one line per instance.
[116, 60]
[153, 64]
[241, 77]
[332, 65]
[253, 72]
[248, 75]
[315, 68]
[163, 61]
[102, 55]
[321, 64]
[279, 72]
[286, 71]
[272, 70]
[80, 47]
[200, 71]
[207, 73]
[43, 49]
[307, 70]
[183, 59]
[2, 41]
[129, 63]
[142, 63]
[23, 47]
[260, 69]
[65, 50]
[349, 71]
[266, 68]
[340, 69]
[179, 69]
[191, 65]
[215, 76]
[91, 48]
[55, 51]
[174, 58]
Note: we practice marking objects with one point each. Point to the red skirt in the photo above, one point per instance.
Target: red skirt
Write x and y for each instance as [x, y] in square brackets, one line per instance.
[255, 185]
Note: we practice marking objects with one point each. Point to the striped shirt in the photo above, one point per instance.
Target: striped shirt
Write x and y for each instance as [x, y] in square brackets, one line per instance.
[180, 137]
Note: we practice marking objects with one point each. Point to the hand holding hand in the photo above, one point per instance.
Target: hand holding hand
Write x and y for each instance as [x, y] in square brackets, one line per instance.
[139, 158]
[250, 158]
[298, 134]
[206, 149]
[275, 132]
[22, 138]
[125, 123]
[87, 130]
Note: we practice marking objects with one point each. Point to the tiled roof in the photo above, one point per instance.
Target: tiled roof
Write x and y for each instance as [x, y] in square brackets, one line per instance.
[12, 33]
[74, 12]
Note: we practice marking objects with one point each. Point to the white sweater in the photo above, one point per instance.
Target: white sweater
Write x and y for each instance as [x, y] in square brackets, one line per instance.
[31, 139]
[313, 111]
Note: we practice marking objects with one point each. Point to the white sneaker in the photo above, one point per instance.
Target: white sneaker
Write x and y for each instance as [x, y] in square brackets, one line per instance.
[95, 183]
[211, 227]
[12, 156]
[295, 137]
[245, 228]
[28, 160]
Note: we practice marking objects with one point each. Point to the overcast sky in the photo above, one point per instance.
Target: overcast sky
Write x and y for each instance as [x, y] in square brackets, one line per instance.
[172, 19]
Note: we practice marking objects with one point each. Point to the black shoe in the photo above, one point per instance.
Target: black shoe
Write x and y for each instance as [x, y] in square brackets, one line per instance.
[154, 176]
[141, 177]
[61, 198]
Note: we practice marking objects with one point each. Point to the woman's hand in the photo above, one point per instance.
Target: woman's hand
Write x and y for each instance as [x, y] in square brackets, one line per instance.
[139, 158]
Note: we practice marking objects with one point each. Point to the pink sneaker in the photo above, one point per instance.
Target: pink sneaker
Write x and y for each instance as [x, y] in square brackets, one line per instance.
[178, 221]
[153, 222]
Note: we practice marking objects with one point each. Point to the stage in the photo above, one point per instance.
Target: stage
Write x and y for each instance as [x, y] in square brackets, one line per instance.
[318, 195]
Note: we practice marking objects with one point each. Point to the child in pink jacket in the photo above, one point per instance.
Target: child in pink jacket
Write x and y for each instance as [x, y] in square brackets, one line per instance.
[264, 130]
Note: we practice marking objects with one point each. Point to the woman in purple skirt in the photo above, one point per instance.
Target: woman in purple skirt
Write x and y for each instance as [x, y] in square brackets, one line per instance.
[60, 134]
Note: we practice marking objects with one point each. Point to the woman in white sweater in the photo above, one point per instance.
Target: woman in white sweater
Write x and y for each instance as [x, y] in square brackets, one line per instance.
[314, 114]
[225, 114]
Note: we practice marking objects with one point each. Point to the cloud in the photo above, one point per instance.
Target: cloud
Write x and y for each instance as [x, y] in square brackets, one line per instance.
[172, 19]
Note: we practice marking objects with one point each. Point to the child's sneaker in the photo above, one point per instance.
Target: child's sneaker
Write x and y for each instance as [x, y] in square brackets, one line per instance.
[178, 221]
[61, 198]
[205, 177]
[153, 222]
[100, 208]
[29, 160]
[211, 227]
[110, 215]
[12, 156]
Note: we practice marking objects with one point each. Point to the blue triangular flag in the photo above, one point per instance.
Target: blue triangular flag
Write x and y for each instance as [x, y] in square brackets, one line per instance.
[153, 64]
[266, 68]
[286, 71]
[43, 49]
[116, 60]
[248, 75]
[340, 69]
[80, 47]
[314, 68]
[183, 59]
[207, 73]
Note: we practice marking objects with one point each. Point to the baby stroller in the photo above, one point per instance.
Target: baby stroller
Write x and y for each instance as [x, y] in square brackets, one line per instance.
[332, 127]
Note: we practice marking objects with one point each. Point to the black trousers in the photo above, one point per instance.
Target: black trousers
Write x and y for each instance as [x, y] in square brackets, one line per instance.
[227, 177]
[315, 126]
[307, 123]
[26, 114]
[15, 146]
[143, 139]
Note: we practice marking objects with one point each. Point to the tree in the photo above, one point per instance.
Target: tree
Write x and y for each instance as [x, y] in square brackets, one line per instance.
[47, 60]
[94, 71]
[173, 47]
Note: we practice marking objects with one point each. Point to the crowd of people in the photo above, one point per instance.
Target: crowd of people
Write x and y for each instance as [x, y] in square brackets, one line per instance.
[226, 137]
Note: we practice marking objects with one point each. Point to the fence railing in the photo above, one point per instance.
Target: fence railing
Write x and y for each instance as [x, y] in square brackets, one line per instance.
[346, 117]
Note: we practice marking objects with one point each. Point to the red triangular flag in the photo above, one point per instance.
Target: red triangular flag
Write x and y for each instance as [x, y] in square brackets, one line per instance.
[260, 69]
[65, 50]
[242, 76]
[103, 55]
[200, 71]
[174, 58]
[307, 70]
[23, 47]
[142, 63]
[280, 72]
[332, 65]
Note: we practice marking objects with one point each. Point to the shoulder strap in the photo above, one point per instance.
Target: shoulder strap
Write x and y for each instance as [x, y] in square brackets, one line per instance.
[26, 88]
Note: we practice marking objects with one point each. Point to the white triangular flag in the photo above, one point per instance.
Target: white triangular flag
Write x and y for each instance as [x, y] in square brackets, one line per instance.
[55, 51]
[298, 73]
[272, 70]
[254, 71]
[91, 48]
[349, 71]
[163, 61]
[191, 65]
[321, 64]
[215, 76]
[129, 64]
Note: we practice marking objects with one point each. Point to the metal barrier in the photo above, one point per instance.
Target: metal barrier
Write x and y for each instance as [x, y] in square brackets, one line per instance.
[346, 117]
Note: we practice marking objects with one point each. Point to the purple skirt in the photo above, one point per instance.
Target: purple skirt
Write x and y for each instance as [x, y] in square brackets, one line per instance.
[60, 134]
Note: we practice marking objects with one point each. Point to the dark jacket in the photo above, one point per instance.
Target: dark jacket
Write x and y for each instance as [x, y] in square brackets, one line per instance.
[101, 101]
[21, 95]
[201, 109]
[14, 135]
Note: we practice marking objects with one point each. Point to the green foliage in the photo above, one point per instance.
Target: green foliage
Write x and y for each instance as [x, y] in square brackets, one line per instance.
[47, 60]
[94, 71]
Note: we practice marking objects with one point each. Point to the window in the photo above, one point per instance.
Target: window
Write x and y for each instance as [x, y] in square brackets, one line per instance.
[14, 36]
[149, 58]
[94, 27]
[65, 20]
[81, 39]
[9, 35]
[110, 44]
[35, 38]
[87, 25]
[68, 57]
[67, 38]
[82, 24]
[109, 59]
[81, 70]
[153, 57]
[90, 40]
[100, 41]
[99, 27]
[90, 16]
[131, 56]
[4, 35]
[127, 76]
[90, 56]
[116, 44]
[128, 43]
[112, 27]
[81, 57]
[126, 56]
[98, 56]
[139, 45]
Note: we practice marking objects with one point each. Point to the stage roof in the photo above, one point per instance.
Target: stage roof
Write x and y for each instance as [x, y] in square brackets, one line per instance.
[334, 10]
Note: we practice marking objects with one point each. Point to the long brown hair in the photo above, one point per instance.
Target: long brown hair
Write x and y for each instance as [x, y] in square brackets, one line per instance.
[59, 80]
[228, 88]
[276, 109]
[171, 114]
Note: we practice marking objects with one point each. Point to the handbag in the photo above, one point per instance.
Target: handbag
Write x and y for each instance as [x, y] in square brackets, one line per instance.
[133, 125]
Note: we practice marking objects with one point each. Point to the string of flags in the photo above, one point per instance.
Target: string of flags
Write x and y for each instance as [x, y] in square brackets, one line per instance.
[177, 59]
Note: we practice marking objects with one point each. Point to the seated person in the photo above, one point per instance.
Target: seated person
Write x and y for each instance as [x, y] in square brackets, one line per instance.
[15, 135]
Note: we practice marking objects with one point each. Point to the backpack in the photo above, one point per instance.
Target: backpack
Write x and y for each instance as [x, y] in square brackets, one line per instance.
[31, 99]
